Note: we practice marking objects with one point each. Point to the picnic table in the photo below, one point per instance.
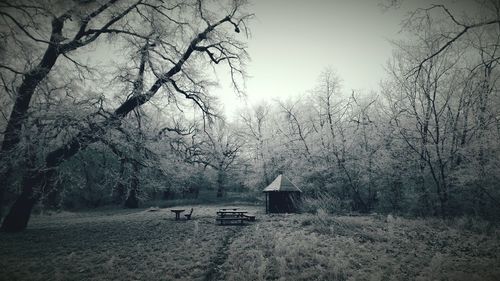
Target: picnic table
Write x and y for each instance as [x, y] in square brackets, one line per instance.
[177, 213]
[233, 215]
[228, 209]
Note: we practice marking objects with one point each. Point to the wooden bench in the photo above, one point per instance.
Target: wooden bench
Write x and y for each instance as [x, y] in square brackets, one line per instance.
[230, 219]
[188, 216]
[249, 217]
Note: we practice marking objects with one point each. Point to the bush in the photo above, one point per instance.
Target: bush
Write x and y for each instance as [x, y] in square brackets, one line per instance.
[325, 202]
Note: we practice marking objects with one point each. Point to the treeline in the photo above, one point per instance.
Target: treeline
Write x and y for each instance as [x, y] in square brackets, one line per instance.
[427, 143]
[427, 147]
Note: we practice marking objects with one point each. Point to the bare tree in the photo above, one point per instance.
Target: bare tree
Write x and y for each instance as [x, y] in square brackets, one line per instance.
[220, 151]
[460, 27]
[171, 65]
[295, 130]
[256, 121]
[437, 103]
[45, 31]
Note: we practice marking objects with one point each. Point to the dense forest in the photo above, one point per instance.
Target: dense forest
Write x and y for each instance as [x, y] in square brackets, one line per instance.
[115, 102]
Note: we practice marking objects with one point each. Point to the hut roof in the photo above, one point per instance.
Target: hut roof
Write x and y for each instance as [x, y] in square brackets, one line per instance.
[281, 183]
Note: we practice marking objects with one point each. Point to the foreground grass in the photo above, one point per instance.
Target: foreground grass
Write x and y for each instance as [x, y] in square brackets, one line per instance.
[142, 245]
[113, 245]
[323, 247]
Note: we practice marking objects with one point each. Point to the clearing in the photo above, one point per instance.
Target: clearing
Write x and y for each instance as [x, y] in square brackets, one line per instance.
[143, 245]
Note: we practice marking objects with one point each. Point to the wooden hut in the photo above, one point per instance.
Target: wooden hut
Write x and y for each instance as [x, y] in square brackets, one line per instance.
[282, 196]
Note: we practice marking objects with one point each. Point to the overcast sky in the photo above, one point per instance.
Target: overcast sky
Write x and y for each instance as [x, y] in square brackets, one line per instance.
[293, 41]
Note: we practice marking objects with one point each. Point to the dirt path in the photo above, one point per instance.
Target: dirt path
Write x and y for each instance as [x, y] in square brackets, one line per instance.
[215, 271]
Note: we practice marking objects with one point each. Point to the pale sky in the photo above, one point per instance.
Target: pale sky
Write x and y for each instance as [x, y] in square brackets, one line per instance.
[293, 41]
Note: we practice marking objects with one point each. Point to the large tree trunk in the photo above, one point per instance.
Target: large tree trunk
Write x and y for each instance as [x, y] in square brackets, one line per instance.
[5, 180]
[42, 179]
[120, 189]
[132, 200]
[23, 98]
[220, 184]
[20, 212]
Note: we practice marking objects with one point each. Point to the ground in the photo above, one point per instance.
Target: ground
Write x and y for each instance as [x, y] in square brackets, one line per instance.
[150, 245]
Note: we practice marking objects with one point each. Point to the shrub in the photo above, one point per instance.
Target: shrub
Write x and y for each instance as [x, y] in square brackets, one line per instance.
[325, 202]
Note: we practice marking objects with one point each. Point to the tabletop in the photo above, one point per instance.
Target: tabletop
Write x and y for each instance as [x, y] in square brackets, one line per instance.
[231, 212]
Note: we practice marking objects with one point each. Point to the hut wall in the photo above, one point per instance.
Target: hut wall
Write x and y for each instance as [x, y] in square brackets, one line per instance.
[283, 202]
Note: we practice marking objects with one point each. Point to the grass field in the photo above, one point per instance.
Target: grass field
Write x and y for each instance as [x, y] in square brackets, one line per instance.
[144, 245]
